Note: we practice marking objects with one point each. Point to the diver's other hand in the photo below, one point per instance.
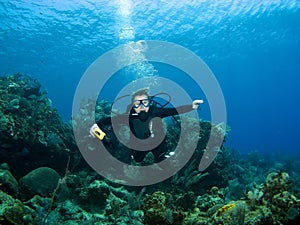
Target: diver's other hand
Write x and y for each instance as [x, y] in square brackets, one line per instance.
[95, 131]
[196, 103]
[92, 130]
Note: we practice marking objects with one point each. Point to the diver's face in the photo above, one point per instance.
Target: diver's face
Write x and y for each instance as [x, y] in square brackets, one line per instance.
[141, 103]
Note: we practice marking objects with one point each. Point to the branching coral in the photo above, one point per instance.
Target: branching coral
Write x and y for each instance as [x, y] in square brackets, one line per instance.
[255, 195]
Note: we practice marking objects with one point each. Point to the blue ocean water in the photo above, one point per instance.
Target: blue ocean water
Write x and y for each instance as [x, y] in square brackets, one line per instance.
[252, 47]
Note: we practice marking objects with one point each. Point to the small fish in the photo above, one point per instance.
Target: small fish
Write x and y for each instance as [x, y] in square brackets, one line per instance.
[226, 208]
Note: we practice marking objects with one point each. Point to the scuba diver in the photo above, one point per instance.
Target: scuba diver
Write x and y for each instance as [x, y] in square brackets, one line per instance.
[144, 118]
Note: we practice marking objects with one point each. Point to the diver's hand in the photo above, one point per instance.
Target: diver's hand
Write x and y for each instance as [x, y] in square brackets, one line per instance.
[196, 103]
[92, 130]
[95, 131]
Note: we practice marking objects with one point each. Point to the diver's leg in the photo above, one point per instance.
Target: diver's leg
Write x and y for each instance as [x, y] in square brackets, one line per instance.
[138, 156]
[160, 152]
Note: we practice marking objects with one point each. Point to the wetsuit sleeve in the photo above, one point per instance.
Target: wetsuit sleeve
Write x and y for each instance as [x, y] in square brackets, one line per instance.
[108, 120]
[164, 112]
[104, 121]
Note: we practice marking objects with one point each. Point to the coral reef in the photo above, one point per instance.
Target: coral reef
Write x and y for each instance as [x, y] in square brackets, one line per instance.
[44, 181]
[32, 133]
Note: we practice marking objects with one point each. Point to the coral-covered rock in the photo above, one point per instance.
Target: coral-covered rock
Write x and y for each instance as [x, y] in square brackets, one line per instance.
[13, 211]
[207, 201]
[93, 197]
[261, 216]
[8, 183]
[277, 182]
[158, 210]
[275, 198]
[41, 181]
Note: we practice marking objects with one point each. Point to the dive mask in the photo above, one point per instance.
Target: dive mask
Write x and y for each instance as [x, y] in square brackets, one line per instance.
[139, 103]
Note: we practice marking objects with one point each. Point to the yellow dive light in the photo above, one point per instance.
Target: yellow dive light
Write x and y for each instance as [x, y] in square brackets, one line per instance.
[98, 132]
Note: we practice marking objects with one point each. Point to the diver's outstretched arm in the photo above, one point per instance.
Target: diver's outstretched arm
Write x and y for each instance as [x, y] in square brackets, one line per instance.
[164, 112]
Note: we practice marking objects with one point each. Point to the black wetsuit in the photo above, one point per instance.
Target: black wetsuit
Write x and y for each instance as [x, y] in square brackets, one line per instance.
[147, 128]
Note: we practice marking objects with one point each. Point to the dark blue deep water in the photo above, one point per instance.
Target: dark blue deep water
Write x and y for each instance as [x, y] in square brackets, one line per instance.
[251, 46]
